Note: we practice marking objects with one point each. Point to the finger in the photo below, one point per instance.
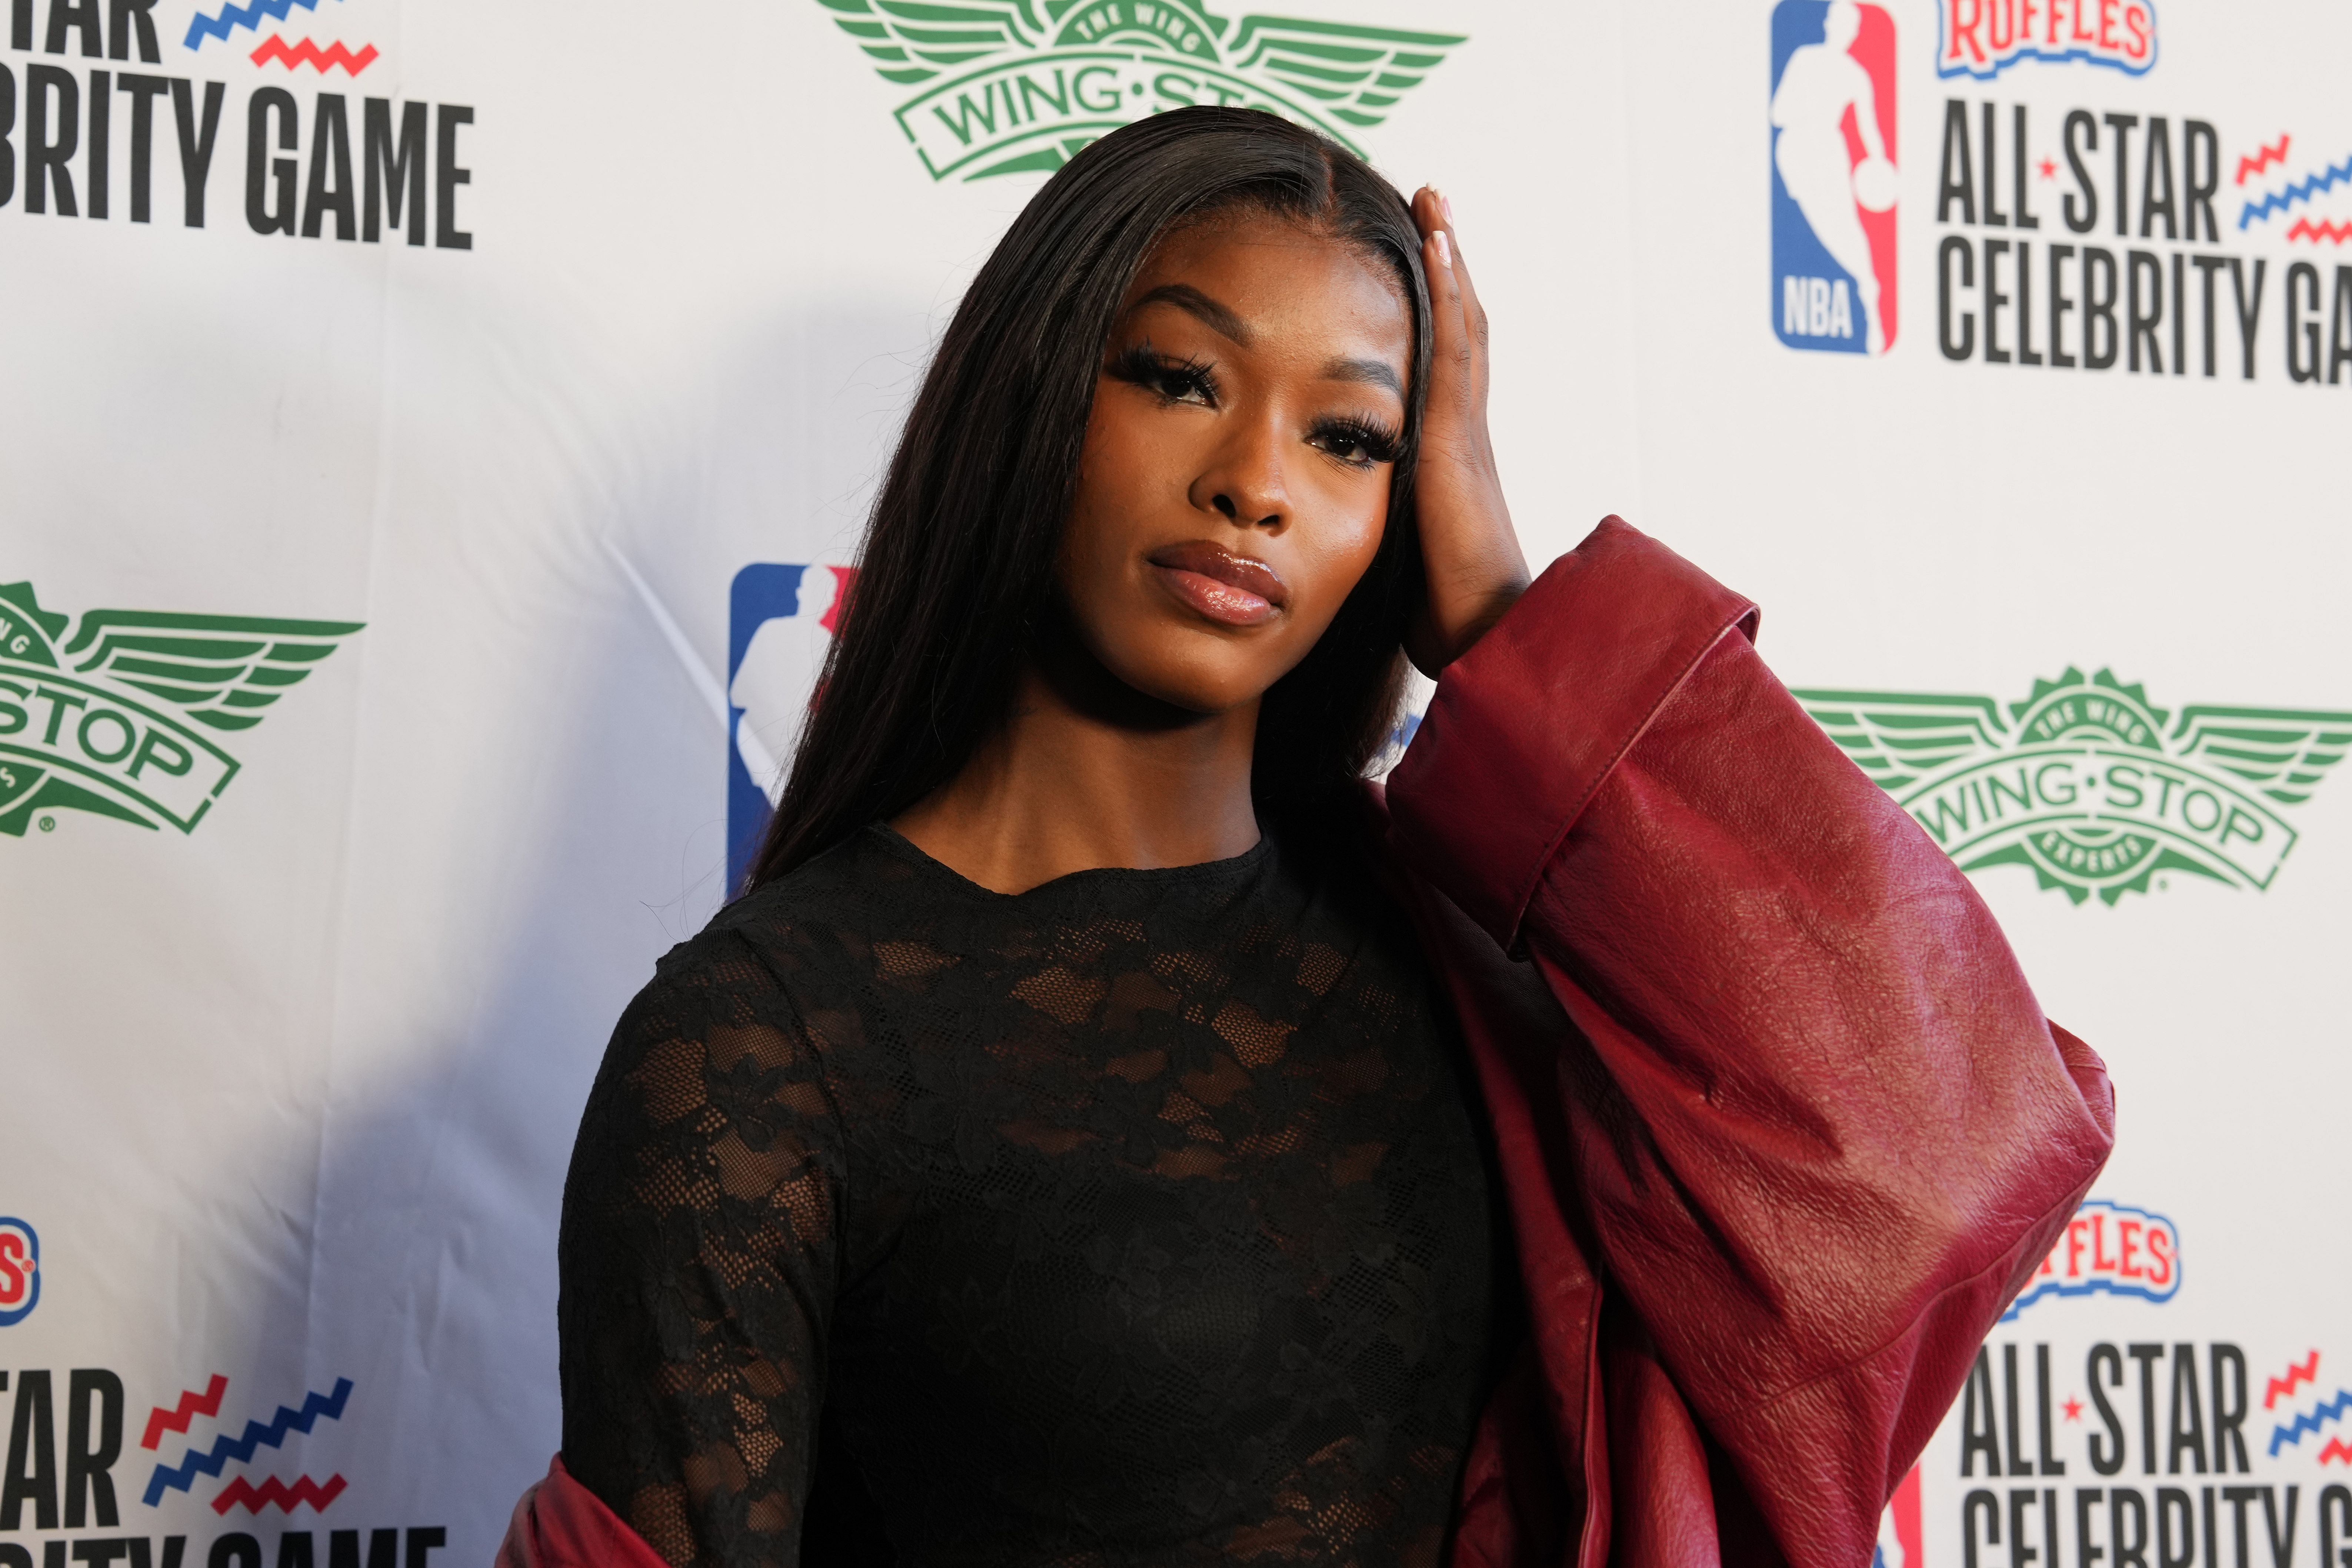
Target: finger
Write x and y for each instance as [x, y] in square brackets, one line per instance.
[1474, 314]
[1429, 209]
[1453, 295]
[1452, 368]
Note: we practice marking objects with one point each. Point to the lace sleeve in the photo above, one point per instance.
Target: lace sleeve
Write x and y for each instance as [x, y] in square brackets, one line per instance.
[699, 1258]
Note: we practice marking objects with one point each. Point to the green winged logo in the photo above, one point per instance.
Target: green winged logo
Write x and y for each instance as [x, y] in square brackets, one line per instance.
[120, 718]
[1008, 86]
[2088, 784]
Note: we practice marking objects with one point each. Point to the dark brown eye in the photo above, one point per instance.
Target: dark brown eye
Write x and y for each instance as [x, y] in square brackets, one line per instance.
[1175, 380]
[1180, 385]
[1358, 443]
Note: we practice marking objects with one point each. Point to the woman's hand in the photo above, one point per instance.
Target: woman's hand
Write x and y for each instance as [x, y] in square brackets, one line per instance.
[1467, 545]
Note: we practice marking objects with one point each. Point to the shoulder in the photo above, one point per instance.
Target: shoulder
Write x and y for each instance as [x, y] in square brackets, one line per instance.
[744, 1037]
[818, 917]
[760, 989]
[800, 931]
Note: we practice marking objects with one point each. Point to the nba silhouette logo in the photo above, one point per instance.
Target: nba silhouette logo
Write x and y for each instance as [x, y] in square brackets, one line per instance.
[1834, 176]
[1898, 1528]
[780, 623]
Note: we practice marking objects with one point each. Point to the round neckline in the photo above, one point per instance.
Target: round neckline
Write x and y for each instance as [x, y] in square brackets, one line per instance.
[898, 844]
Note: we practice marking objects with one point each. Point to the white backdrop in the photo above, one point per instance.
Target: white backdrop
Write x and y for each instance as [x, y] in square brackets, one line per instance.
[290, 1089]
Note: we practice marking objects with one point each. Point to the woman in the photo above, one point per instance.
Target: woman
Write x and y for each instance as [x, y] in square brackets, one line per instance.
[1108, 1131]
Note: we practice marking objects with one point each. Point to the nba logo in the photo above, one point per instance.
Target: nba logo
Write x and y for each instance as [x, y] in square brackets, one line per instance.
[1833, 176]
[1898, 1528]
[780, 623]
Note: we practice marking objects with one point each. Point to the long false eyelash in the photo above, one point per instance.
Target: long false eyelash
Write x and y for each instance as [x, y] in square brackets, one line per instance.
[1171, 377]
[1146, 366]
[1380, 443]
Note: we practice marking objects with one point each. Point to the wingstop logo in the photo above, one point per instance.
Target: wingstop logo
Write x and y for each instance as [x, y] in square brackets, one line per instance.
[324, 167]
[2088, 784]
[1016, 86]
[79, 726]
[1834, 176]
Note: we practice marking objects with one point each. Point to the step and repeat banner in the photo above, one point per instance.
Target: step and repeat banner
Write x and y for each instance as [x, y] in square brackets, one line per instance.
[435, 441]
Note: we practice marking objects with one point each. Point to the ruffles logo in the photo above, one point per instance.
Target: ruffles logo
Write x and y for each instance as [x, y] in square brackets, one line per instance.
[20, 1271]
[1983, 37]
[2107, 1250]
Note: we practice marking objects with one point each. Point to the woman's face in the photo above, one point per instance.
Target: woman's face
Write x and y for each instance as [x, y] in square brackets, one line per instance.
[1234, 483]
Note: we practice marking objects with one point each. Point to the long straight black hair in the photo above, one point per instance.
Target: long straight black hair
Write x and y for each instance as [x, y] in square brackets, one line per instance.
[957, 572]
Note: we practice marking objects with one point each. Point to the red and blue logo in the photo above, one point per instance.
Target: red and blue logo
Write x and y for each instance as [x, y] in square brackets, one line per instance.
[1898, 1528]
[1835, 183]
[2108, 1250]
[1981, 38]
[200, 1459]
[2297, 1425]
[779, 624]
[20, 1271]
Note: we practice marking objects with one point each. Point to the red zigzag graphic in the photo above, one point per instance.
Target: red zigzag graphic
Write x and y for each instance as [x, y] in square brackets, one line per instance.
[192, 1404]
[273, 1491]
[307, 53]
[2337, 1449]
[2334, 233]
[2296, 1376]
[2268, 156]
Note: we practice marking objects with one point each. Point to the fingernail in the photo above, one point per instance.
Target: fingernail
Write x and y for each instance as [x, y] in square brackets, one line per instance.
[1444, 250]
[1445, 205]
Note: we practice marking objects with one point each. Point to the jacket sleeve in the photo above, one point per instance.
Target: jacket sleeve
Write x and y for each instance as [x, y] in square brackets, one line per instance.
[1821, 1132]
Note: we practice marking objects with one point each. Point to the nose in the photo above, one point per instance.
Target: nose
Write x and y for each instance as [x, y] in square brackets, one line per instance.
[1243, 482]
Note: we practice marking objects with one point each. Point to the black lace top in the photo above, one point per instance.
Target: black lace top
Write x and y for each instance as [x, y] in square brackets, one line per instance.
[1135, 1219]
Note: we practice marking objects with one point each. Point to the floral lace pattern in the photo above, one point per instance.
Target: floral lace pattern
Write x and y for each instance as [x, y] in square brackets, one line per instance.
[1135, 1219]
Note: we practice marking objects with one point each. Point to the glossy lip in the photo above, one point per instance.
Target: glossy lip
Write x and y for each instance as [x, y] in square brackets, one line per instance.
[1236, 590]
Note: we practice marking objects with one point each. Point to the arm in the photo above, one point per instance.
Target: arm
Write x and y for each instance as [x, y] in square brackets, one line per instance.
[1821, 1132]
[1865, 113]
[699, 1257]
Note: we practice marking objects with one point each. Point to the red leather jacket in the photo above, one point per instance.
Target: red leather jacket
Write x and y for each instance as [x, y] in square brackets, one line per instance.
[1781, 1128]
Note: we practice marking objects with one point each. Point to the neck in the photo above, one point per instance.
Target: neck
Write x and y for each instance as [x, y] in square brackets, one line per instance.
[1087, 773]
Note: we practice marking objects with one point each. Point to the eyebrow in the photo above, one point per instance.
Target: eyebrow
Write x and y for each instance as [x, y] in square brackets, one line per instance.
[1219, 319]
[1367, 371]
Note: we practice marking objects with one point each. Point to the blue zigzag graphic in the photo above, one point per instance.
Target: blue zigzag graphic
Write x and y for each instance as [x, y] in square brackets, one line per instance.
[2300, 191]
[201, 26]
[2303, 1425]
[257, 1436]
